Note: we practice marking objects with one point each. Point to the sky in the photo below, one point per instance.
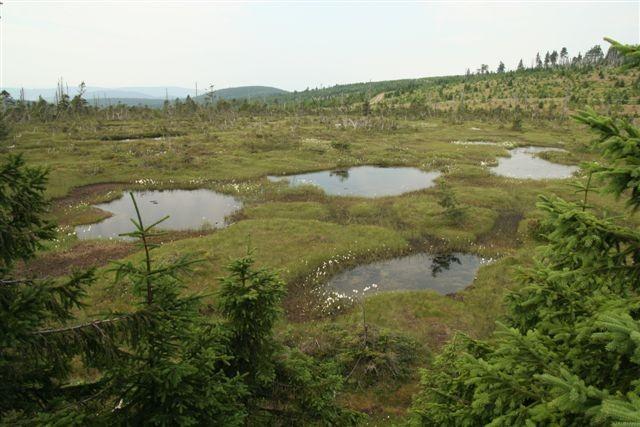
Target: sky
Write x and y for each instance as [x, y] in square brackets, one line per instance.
[288, 44]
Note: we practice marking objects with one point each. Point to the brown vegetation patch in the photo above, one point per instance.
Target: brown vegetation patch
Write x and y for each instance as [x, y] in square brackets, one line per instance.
[142, 135]
[455, 296]
[172, 236]
[438, 334]
[87, 254]
[81, 256]
[86, 192]
[504, 231]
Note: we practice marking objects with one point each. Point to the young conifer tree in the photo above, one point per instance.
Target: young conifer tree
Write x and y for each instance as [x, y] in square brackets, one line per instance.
[568, 352]
[39, 335]
[173, 373]
[162, 364]
[286, 387]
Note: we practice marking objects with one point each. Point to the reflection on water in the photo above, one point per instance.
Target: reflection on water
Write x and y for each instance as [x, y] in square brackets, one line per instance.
[188, 209]
[524, 165]
[442, 262]
[342, 174]
[443, 273]
[365, 181]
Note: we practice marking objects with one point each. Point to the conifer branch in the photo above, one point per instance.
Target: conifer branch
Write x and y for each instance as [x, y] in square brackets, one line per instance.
[94, 324]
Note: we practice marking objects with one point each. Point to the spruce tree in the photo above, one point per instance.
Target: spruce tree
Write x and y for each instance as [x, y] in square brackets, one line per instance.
[538, 60]
[163, 363]
[564, 56]
[453, 210]
[568, 351]
[173, 374]
[160, 365]
[39, 335]
[285, 386]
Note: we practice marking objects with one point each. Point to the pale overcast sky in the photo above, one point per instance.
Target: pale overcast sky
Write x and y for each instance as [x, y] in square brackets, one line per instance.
[290, 45]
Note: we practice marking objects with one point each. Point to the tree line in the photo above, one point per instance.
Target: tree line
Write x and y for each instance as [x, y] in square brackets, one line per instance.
[550, 60]
[334, 100]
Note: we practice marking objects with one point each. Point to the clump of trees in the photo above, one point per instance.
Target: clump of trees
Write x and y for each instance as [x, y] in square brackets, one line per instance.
[568, 352]
[163, 363]
[592, 58]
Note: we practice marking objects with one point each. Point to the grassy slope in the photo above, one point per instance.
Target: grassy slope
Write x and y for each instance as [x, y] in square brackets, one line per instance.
[558, 90]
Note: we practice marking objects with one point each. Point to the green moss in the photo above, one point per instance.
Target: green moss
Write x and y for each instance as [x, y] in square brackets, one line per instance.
[294, 247]
[291, 210]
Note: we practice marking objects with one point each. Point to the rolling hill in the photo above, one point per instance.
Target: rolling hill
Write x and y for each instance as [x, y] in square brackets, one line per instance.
[148, 96]
[246, 92]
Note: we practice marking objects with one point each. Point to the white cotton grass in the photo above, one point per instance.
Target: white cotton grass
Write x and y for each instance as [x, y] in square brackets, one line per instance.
[333, 302]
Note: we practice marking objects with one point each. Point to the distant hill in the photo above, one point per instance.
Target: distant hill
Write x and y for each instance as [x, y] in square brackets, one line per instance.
[160, 92]
[94, 92]
[149, 96]
[246, 92]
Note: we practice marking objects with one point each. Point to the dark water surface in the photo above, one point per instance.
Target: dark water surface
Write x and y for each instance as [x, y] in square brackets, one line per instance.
[365, 181]
[188, 210]
[444, 273]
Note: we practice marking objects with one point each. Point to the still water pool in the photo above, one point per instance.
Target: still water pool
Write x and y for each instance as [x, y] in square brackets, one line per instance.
[523, 164]
[443, 273]
[187, 210]
[364, 181]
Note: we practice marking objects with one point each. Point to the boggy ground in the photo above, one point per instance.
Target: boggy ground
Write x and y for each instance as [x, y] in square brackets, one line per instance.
[299, 230]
